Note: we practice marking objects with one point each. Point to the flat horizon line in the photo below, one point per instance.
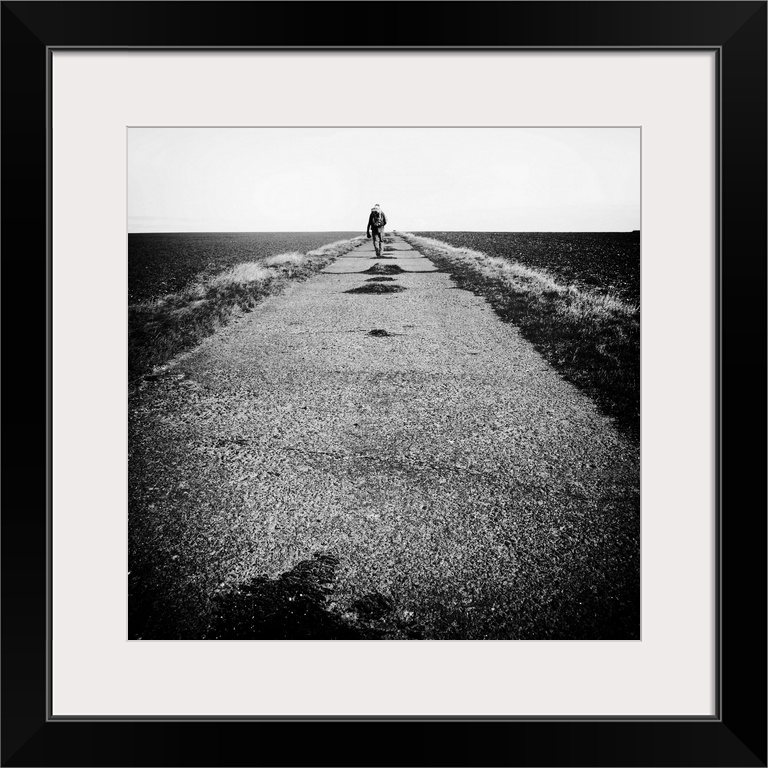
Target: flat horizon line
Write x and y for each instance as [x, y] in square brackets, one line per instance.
[346, 231]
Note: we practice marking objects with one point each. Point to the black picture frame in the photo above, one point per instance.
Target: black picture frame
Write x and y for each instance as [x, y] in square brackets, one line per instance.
[736, 736]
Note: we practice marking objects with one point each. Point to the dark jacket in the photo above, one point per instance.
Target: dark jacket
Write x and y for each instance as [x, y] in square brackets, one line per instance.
[371, 225]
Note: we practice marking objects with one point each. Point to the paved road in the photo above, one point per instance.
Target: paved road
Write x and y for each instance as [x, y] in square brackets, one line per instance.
[455, 484]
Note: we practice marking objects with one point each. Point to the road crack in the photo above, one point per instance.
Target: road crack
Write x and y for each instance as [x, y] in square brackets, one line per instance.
[403, 461]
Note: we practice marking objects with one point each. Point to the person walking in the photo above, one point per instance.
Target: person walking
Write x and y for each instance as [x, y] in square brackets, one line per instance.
[376, 223]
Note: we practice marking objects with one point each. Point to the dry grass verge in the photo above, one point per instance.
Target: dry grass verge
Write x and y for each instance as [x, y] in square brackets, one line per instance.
[160, 329]
[591, 338]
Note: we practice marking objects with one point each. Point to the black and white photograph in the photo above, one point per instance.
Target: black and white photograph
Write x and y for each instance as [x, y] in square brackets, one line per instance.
[384, 383]
[383, 327]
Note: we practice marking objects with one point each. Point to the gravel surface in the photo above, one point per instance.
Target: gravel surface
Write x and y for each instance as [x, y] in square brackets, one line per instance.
[451, 483]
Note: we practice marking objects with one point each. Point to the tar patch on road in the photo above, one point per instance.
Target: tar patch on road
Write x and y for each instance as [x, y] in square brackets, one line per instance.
[379, 332]
[384, 269]
[374, 606]
[380, 280]
[291, 607]
[377, 288]
[297, 605]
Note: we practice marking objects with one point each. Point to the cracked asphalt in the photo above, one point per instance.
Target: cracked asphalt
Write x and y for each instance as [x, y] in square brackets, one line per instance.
[459, 482]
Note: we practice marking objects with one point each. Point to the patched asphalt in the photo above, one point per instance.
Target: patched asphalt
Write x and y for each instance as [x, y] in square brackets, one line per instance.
[397, 253]
[462, 488]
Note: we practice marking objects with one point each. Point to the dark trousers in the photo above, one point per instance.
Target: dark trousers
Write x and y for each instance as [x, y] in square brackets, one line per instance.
[376, 235]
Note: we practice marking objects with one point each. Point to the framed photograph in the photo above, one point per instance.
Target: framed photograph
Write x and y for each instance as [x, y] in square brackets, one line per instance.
[503, 435]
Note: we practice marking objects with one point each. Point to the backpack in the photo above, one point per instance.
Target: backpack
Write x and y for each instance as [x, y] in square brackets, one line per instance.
[377, 218]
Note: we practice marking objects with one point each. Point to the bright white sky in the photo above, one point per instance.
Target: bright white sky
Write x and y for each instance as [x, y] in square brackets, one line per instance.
[322, 179]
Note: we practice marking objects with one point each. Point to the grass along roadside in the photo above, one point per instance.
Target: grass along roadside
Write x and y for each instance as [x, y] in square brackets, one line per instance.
[162, 328]
[591, 338]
